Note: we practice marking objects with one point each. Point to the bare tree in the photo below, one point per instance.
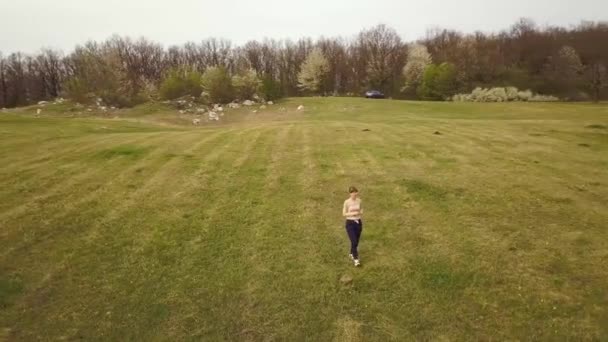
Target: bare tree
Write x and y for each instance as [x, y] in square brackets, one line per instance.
[3, 82]
[384, 53]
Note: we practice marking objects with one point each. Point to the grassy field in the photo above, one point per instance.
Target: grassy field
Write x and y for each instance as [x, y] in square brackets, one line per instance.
[496, 228]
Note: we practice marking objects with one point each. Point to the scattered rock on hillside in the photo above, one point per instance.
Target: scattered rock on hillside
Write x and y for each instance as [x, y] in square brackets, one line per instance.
[255, 111]
[200, 110]
[182, 112]
[346, 279]
[38, 111]
[234, 105]
[213, 116]
[248, 103]
[196, 121]
[218, 108]
[42, 103]
[183, 102]
[262, 107]
[300, 107]
[59, 100]
[270, 103]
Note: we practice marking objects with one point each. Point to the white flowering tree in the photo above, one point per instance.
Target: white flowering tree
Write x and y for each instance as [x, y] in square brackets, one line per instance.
[418, 59]
[313, 72]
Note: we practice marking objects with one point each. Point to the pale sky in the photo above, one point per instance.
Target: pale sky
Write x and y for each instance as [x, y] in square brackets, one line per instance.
[28, 25]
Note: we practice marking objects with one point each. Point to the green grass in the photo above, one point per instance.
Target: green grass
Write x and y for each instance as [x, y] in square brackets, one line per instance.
[138, 228]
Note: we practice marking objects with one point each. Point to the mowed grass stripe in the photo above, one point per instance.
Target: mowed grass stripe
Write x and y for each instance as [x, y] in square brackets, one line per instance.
[481, 235]
[60, 161]
[89, 242]
[84, 173]
[112, 181]
[70, 149]
[216, 257]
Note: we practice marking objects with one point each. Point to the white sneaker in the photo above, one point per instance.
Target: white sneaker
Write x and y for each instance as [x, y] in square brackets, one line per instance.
[357, 262]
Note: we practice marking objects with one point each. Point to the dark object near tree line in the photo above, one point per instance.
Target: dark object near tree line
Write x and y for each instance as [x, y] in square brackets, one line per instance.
[366, 130]
[374, 94]
[437, 133]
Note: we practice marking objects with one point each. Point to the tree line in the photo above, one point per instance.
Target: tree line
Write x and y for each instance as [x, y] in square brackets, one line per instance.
[570, 63]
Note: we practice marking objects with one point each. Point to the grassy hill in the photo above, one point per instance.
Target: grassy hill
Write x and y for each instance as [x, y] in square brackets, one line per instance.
[482, 221]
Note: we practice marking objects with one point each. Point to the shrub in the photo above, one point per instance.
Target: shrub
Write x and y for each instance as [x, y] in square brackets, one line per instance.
[180, 83]
[438, 82]
[271, 89]
[500, 94]
[247, 85]
[218, 84]
[512, 93]
[543, 98]
[524, 95]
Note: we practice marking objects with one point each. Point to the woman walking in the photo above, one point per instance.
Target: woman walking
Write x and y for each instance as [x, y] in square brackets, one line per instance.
[354, 225]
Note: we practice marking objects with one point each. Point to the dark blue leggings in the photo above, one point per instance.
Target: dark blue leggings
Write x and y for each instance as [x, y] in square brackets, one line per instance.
[353, 229]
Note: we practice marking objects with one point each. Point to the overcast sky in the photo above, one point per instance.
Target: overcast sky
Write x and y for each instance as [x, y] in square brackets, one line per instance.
[28, 25]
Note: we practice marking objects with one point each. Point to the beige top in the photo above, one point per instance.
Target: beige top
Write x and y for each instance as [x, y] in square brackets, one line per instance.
[352, 206]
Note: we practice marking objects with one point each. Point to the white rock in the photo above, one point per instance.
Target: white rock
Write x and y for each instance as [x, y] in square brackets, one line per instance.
[262, 107]
[213, 116]
[4, 110]
[270, 103]
[112, 108]
[256, 97]
[42, 102]
[248, 103]
[234, 105]
[182, 111]
[103, 108]
[89, 110]
[38, 111]
[196, 121]
[300, 107]
[200, 110]
[255, 111]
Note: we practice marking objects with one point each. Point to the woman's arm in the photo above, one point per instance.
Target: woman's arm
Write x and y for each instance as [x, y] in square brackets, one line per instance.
[345, 210]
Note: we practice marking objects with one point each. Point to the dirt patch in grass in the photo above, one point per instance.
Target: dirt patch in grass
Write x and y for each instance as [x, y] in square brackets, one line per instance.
[597, 126]
[10, 288]
[133, 152]
[422, 190]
